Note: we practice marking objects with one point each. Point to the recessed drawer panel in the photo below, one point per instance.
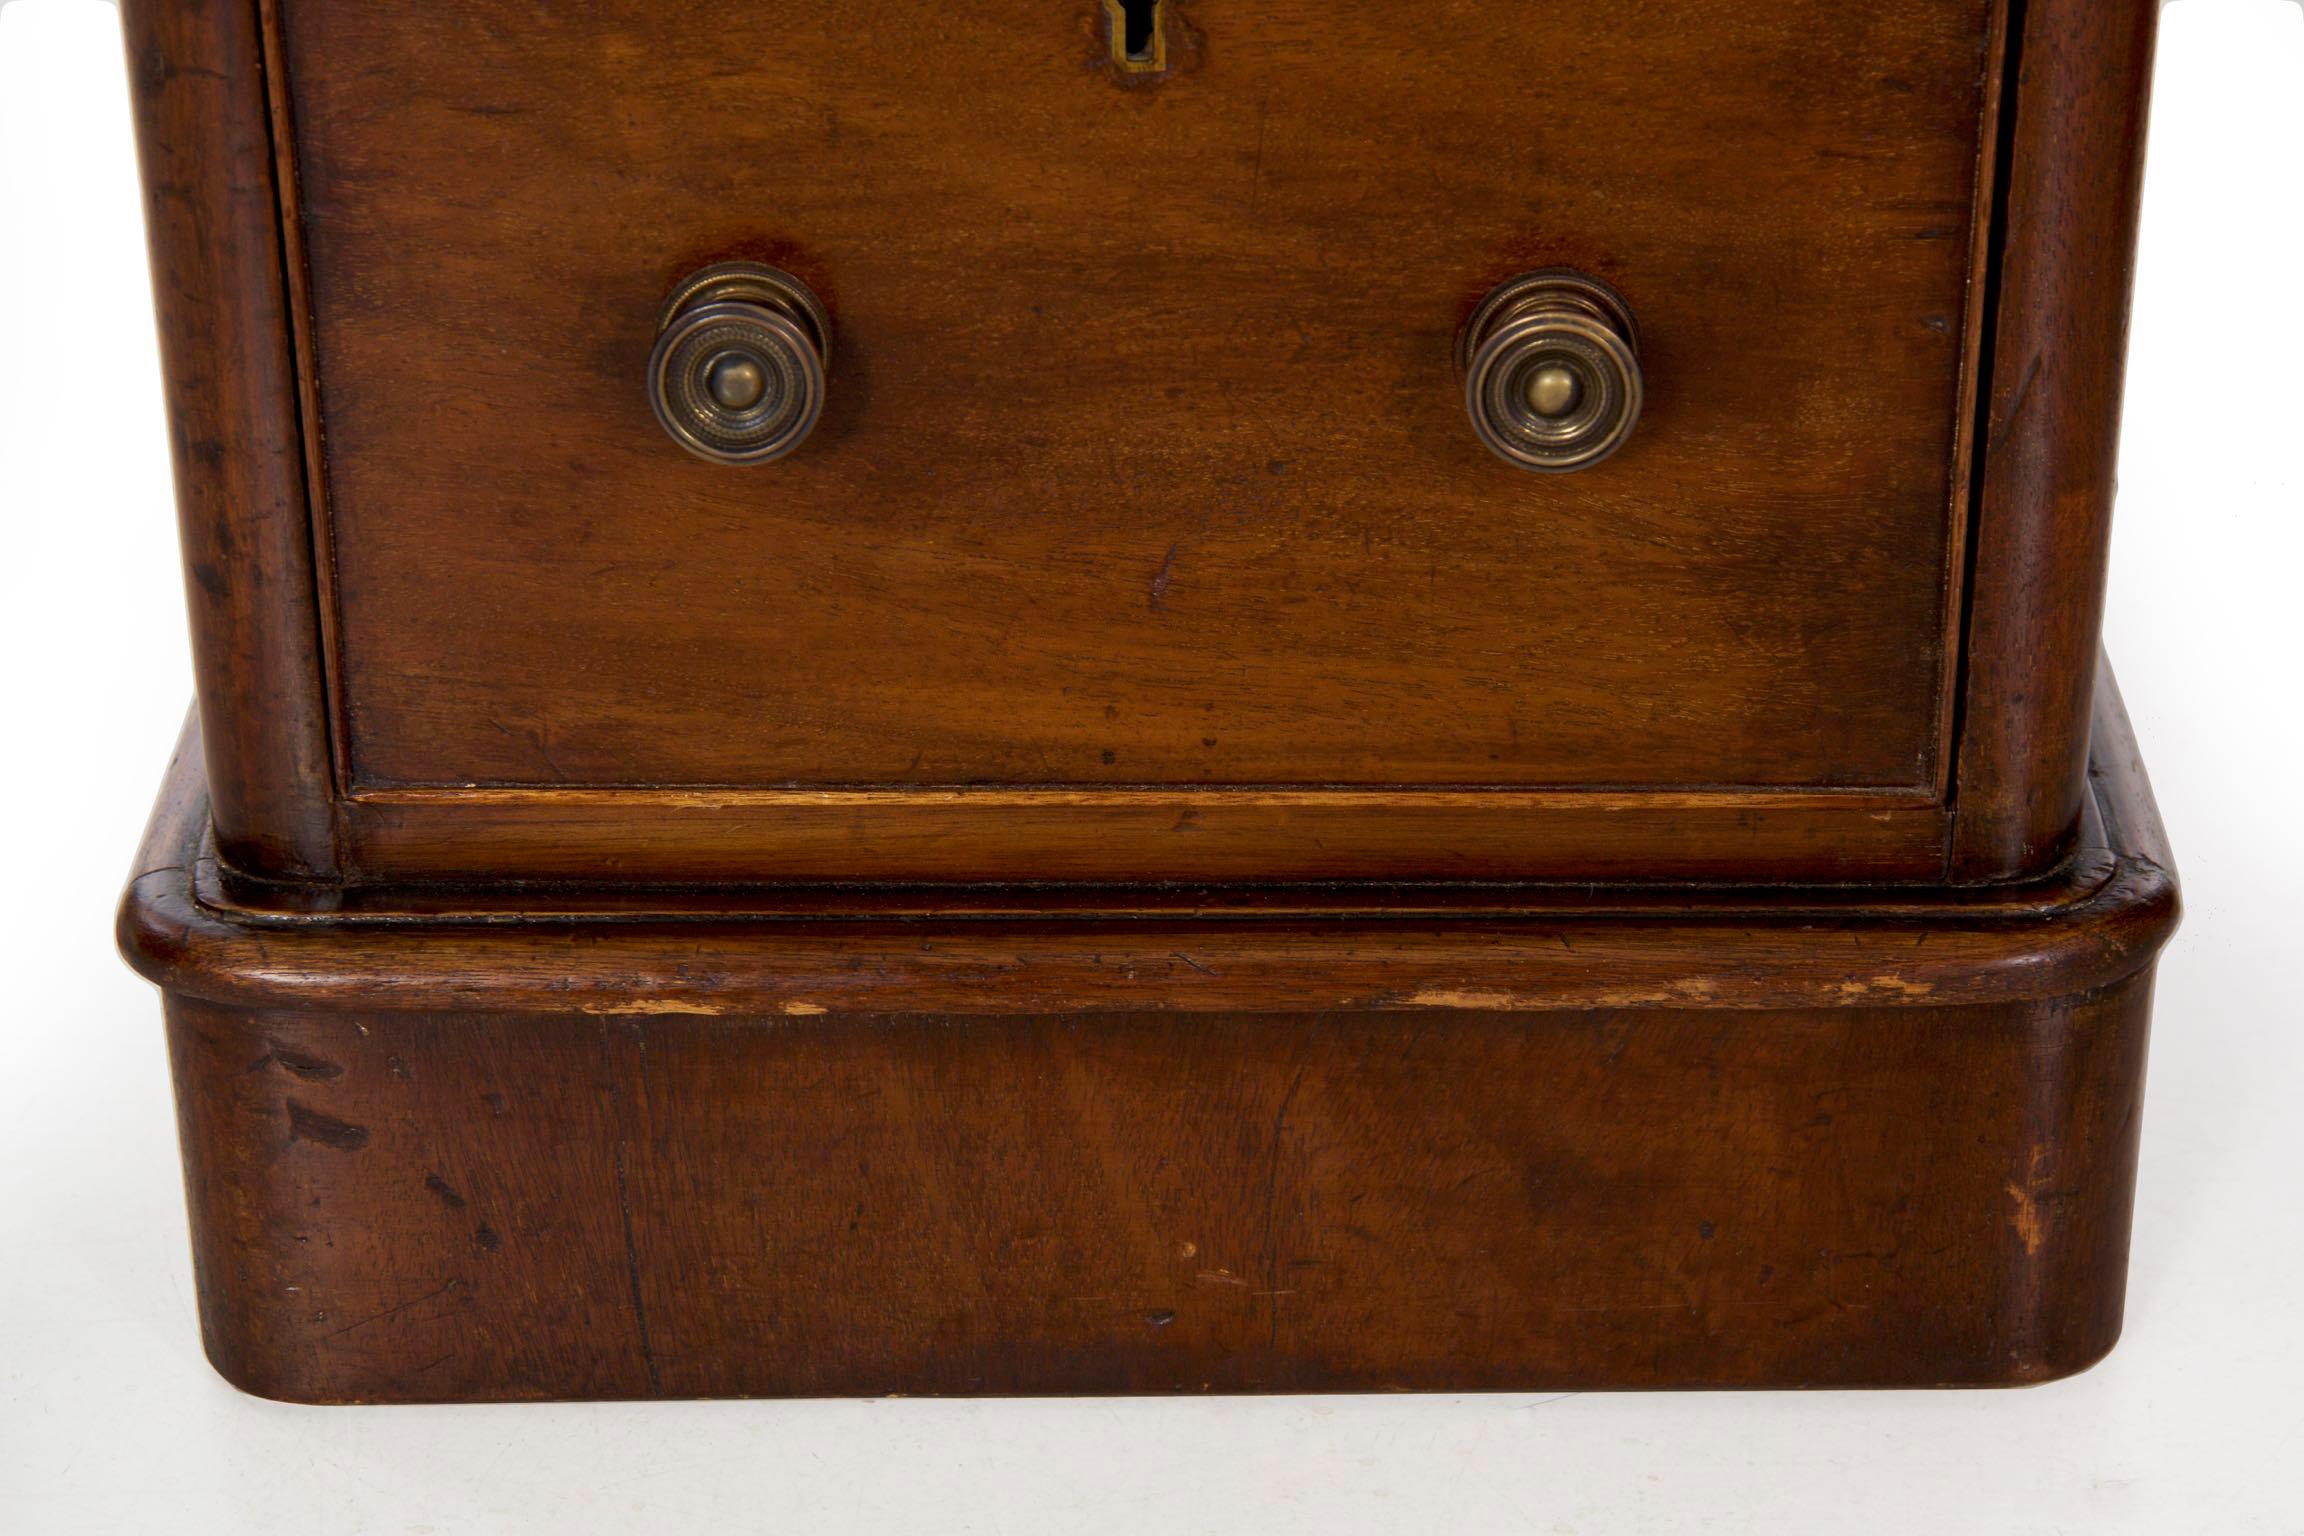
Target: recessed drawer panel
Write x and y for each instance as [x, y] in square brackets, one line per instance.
[1144, 456]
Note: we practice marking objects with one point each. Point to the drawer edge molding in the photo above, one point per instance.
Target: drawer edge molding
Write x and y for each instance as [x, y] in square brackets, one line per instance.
[2049, 431]
[213, 222]
[1763, 949]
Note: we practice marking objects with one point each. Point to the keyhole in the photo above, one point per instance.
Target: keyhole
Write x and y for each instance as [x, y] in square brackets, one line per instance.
[1136, 29]
[1137, 44]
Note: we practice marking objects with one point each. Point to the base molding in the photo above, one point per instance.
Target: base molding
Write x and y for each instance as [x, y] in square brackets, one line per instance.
[665, 1145]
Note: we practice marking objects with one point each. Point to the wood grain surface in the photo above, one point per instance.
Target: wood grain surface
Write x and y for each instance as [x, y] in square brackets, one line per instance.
[2052, 429]
[457, 1206]
[1434, 927]
[798, 952]
[605, 1154]
[1145, 461]
[212, 214]
[1142, 494]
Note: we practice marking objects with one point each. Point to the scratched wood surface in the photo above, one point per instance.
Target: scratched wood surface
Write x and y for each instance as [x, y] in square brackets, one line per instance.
[452, 1206]
[1750, 1139]
[1151, 463]
[1144, 493]
[1144, 461]
[2053, 422]
[199, 932]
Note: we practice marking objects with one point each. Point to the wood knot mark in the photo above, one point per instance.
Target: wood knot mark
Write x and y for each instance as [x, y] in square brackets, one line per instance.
[1162, 577]
[302, 1063]
[2017, 399]
[445, 1190]
[308, 1124]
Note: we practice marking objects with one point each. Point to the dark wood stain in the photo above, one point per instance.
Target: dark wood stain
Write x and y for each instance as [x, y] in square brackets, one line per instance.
[1141, 859]
[212, 215]
[2053, 417]
[1169, 1151]
[1736, 642]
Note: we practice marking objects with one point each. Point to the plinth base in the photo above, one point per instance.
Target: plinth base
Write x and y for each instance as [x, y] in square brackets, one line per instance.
[588, 1145]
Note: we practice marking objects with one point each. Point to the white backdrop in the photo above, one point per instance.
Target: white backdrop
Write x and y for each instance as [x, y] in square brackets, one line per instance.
[111, 1421]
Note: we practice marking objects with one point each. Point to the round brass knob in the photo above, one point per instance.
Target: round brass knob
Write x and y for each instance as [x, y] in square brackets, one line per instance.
[737, 374]
[1551, 365]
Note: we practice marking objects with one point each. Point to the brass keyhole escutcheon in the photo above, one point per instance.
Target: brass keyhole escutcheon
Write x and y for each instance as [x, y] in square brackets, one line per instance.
[737, 374]
[1139, 34]
[1551, 365]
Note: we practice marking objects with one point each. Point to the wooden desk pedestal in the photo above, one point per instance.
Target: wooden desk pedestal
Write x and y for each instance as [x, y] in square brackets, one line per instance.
[1276, 1141]
[1216, 695]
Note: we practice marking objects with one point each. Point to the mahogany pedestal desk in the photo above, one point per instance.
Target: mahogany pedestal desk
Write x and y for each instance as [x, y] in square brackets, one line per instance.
[1071, 696]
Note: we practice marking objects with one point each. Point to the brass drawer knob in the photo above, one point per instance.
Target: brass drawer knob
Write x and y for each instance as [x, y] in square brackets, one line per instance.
[1551, 365]
[737, 374]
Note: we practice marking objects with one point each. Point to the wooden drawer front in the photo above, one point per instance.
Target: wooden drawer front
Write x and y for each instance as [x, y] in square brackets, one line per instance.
[1145, 462]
